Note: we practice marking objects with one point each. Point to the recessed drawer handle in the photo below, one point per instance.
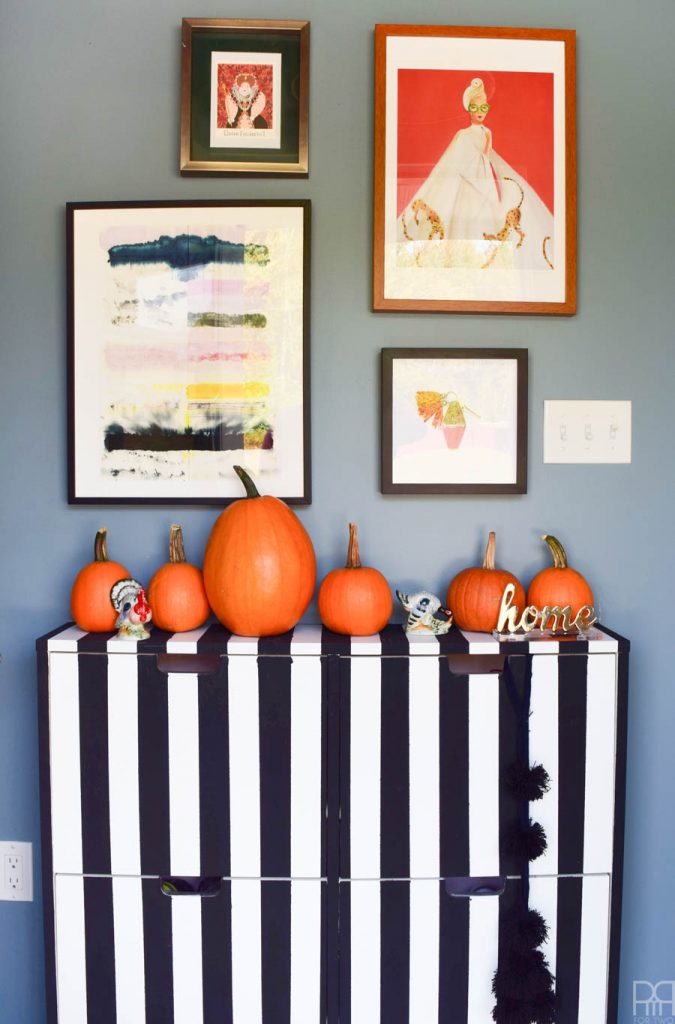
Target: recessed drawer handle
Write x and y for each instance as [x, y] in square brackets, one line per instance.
[476, 885]
[475, 664]
[194, 664]
[181, 885]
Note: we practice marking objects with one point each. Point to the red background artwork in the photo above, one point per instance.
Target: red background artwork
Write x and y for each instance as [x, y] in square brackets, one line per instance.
[430, 112]
[226, 76]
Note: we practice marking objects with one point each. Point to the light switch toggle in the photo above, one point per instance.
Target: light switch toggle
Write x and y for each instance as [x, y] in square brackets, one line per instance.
[587, 431]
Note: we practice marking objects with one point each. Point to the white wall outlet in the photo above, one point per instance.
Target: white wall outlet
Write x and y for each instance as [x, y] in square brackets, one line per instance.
[16, 871]
[587, 431]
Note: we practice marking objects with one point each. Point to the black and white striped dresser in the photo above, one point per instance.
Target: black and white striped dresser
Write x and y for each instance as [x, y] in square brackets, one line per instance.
[310, 801]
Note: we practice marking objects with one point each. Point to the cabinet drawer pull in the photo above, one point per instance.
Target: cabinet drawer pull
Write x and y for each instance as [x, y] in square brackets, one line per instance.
[477, 885]
[191, 664]
[181, 885]
[475, 664]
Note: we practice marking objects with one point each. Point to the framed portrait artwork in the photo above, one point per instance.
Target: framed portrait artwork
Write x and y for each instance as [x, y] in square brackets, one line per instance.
[475, 170]
[188, 351]
[454, 421]
[244, 97]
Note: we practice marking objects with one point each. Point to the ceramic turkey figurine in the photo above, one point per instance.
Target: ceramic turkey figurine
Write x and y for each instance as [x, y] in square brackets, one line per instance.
[425, 614]
[133, 611]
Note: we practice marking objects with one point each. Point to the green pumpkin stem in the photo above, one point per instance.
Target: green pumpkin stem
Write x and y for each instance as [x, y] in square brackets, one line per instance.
[557, 550]
[489, 559]
[251, 489]
[353, 553]
[100, 545]
[176, 546]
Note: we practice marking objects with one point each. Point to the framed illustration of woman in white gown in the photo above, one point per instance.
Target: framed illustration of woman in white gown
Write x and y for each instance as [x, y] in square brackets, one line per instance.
[475, 170]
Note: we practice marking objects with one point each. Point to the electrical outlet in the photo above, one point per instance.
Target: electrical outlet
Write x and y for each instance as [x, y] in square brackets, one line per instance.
[16, 871]
[587, 431]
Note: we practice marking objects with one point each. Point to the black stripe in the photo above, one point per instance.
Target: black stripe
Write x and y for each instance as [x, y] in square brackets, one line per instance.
[158, 952]
[215, 638]
[94, 783]
[394, 770]
[330, 768]
[335, 643]
[572, 681]
[153, 768]
[394, 641]
[276, 645]
[99, 950]
[394, 952]
[158, 639]
[619, 828]
[276, 952]
[568, 949]
[95, 643]
[274, 683]
[217, 955]
[453, 713]
[345, 671]
[454, 642]
[624, 644]
[46, 832]
[214, 772]
[453, 982]
[345, 955]
[509, 754]
[329, 1009]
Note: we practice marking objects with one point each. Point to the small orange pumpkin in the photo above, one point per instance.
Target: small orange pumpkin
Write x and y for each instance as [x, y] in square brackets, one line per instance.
[559, 584]
[259, 565]
[90, 603]
[176, 592]
[475, 594]
[355, 600]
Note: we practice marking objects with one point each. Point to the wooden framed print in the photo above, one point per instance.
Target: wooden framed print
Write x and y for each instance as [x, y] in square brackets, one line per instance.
[475, 170]
[454, 421]
[244, 97]
[188, 351]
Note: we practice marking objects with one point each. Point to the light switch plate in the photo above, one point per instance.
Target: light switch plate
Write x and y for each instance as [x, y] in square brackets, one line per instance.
[587, 431]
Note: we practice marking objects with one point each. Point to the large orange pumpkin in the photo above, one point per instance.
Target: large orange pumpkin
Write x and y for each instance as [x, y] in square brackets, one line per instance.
[176, 592]
[90, 603]
[559, 584]
[475, 594]
[259, 565]
[355, 600]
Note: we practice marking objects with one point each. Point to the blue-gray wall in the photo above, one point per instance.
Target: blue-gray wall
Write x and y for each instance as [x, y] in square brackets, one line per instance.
[90, 97]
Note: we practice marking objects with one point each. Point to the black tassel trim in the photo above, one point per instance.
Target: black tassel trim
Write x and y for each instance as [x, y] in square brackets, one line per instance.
[523, 977]
[544, 1008]
[524, 929]
[527, 842]
[527, 783]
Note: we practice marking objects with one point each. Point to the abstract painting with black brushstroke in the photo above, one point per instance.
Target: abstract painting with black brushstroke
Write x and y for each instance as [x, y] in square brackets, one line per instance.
[187, 351]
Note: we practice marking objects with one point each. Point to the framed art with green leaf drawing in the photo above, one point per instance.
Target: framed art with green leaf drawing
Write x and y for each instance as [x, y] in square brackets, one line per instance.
[244, 97]
[475, 170]
[454, 421]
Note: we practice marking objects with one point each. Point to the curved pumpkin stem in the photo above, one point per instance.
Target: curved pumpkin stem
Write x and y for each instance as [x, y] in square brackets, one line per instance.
[100, 545]
[251, 489]
[489, 559]
[353, 553]
[557, 550]
[176, 546]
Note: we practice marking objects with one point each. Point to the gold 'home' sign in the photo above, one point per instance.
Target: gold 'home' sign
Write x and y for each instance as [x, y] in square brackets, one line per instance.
[553, 618]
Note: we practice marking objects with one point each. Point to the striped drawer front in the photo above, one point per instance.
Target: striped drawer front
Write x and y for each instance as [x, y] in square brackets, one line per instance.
[412, 954]
[127, 954]
[423, 755]
[185, 774]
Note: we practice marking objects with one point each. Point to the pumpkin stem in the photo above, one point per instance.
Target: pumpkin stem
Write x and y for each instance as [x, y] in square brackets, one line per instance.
[557, 550]
[176, 547]
[251, 489]
[489, 559]
[100, 545]
[353, 553]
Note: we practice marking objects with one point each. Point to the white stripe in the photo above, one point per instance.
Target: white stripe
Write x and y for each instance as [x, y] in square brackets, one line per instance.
[64, 740]
[544, 898]
[481, 643]
[183, 703]
[66, 640]
[594, 954]
[115, 646]
[365, 742]
[424, 768]
[483, 775]
[242, 645]
[423, 644]
[186, 643]
[483, 955]
[605, 643]
[544, 750]
[365, 951]
[244, 742]
[125, 838]
[71, 958]
[305, 951]
[186, 941]
[424, 951]
[306, 816]
[306, 640]
[246, 951]
[127, 896]
[600, 763]
[366, 645]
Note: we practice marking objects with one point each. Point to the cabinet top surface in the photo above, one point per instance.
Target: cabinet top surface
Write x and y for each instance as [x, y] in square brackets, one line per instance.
[313, 640]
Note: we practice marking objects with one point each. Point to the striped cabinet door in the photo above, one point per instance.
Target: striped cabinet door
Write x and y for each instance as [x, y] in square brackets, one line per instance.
[424, 752]
[127, 954]
[160, 773]
[412, 954]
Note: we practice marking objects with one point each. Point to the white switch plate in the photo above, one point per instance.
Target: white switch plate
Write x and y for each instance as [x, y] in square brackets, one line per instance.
[587, 431]
[16, 871]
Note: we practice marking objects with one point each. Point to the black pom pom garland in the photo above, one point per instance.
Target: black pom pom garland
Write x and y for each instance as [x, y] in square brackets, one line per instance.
[527, 783]
[526, 842]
